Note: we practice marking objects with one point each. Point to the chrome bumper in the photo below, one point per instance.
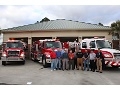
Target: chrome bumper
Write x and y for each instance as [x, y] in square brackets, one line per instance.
[48, 60]
[12, 59]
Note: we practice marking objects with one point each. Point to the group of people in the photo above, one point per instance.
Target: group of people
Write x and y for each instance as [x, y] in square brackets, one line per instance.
[68, 59]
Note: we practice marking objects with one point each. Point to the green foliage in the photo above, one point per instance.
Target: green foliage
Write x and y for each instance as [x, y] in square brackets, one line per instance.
[0, 31]
[100, 24]
[115, 26]
[45, 19]
[0, 47]
[37, 22]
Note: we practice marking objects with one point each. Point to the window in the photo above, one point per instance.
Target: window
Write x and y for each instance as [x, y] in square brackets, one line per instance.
[52, 44]
[84, 45]
[92, 44]
[14, 45]
[103, 44]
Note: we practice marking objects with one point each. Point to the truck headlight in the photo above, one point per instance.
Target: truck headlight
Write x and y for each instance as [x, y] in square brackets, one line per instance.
[22, 54]
[55, 50]
[4, 54]
[107, 55]
[47, 55]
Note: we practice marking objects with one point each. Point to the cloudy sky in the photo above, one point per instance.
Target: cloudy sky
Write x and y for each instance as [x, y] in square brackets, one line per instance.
[18, 15]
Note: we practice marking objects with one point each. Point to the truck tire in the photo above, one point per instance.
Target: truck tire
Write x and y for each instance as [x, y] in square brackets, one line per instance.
[115, 66]
[23, 62]
[4, 63]
[35, 60]
[44, 62]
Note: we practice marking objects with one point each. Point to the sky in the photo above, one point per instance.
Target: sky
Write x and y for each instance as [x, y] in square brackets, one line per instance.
[19, 15]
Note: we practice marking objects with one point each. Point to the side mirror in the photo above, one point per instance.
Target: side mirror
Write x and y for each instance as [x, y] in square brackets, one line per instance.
[92, 46]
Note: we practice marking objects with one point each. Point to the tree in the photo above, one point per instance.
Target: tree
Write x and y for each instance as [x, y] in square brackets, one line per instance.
[45, 19]
[115, 26]
[0, 31]
[100, 24]
[37, 22]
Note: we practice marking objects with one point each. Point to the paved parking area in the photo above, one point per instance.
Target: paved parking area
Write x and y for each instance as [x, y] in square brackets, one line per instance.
[33, 73]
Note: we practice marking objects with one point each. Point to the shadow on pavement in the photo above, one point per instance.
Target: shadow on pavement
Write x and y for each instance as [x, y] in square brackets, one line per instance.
[112, 69]
[7, 84]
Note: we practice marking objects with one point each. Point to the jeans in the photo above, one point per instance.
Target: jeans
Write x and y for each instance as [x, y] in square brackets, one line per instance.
[65, 63]
[53, 64]
[92, 65]
[86, 63]
[75, 63]
[71, 63]
[58, 63]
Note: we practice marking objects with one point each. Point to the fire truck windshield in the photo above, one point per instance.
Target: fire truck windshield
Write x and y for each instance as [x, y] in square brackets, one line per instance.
[52, 44]
[14, 45]
[103, 44]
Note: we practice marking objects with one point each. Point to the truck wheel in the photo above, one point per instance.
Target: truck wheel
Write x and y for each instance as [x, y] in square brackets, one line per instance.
[35, 60]
[44, 62]
[23, 62]
[4, 63]
[115, 66]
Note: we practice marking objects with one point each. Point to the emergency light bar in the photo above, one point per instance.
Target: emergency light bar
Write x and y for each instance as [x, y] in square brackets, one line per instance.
[95, 37]
[48, 40]
[13, 40]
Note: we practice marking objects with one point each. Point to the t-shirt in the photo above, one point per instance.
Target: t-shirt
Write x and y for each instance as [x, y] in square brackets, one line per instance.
[65, 55]
[99, 55]
[79, 54]
[53, 55]
[58, 54]
[86, 55]
[92, 56]
[71, 55]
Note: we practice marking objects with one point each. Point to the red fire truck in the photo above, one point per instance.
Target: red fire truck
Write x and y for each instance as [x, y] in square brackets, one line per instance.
[111, 56]
[13, 50]
[41, 50]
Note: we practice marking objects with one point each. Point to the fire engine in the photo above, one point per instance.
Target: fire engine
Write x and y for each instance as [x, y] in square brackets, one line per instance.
[111, 56]
[41, 50]
[12, 50]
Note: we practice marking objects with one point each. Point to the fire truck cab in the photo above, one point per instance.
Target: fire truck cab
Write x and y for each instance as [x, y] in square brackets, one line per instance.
[13, 50]
[111, 56]
[41, 50]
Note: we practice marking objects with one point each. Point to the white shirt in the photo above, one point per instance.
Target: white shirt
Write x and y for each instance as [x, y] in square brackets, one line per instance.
[92, 56]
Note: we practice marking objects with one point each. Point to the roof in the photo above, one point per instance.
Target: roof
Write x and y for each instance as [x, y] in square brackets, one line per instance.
[59, 24]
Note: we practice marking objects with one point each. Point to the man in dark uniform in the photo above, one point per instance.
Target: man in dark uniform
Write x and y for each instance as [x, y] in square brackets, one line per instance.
[99, 57]
[79, 55]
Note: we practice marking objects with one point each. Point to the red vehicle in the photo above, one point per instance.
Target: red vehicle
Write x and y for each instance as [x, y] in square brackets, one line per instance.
[13, 50]
[111, 56]
[41, 50]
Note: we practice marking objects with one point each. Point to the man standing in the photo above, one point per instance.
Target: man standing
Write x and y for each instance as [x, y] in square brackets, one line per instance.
[58, 60]
[53, 60]
[86, 60]
[75, 60]
[62, 51]
[65, 60]
[92, 57]
[71, 60]
[79, 59]
[99, 61]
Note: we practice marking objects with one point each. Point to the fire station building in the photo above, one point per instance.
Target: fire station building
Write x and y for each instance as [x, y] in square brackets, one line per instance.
[64, 30]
